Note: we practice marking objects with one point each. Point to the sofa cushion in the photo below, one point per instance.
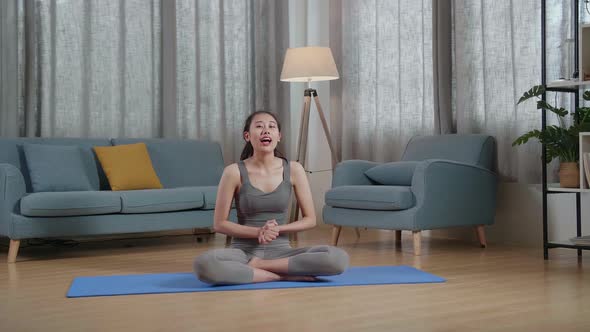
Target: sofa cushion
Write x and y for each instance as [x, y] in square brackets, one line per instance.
[183, 163]
[70, 203]
[371, 197]
[56, 168]
[128, 167]
[209, 196]
[11, 152]
[398, 173]
[161, 200]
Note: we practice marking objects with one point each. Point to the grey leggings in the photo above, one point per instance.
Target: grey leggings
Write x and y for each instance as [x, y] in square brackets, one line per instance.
[230, 266]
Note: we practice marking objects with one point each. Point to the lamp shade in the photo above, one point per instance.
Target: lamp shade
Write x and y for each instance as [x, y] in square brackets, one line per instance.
[308, 64]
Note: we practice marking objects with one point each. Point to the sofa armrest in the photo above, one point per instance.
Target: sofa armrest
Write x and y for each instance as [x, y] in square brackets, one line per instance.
[12, 188]
[450, 193]
[352, 172]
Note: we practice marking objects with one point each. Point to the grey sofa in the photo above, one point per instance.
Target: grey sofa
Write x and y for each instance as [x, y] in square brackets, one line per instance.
[189, 171]
[441, 181]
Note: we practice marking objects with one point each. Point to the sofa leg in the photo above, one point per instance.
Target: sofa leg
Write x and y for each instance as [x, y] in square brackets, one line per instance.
[13, 251]
[398, 237]
[417, 241]
[335, 234]
[481, 235]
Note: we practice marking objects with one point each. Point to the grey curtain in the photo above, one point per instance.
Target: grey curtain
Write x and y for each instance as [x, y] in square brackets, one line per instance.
[10, 84]
[229, 59]
[496, 58]
[442, 65]
[383, 50]
[90, 68]
[97, 68]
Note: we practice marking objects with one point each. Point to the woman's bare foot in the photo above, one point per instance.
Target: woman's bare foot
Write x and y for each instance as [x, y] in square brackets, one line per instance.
[254, 262]
[298, 278]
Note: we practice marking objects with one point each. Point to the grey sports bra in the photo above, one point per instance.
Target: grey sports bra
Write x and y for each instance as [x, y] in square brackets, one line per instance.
[255, 207]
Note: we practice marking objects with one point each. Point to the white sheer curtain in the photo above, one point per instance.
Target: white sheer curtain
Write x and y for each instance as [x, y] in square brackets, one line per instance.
[229, 57]
[497, 57]
[383, 50]
[93, 68]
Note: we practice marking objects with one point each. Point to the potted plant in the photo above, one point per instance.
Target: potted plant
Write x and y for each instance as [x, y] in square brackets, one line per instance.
[560, 140]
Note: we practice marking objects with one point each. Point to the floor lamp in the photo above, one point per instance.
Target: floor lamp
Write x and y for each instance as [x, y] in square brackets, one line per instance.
[306, 65]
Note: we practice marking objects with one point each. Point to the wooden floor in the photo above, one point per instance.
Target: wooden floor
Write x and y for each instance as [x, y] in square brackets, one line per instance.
[500, 288]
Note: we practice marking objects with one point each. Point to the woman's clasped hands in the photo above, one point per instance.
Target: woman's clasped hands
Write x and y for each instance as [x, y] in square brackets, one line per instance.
[268, 232]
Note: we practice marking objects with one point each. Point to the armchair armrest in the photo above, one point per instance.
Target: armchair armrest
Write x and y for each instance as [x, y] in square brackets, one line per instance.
[352, 172]
[450, 193]
[12, 188]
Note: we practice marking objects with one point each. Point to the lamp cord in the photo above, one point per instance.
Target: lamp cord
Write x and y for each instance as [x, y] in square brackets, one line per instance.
[318, 171]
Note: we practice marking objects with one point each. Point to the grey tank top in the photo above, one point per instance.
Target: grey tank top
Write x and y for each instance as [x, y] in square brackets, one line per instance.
[255, 207]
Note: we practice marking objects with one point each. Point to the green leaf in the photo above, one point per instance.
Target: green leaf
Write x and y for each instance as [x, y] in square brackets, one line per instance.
[582, 115]
[559, 111]
[525, 138]
[560, 141]
[535, 91]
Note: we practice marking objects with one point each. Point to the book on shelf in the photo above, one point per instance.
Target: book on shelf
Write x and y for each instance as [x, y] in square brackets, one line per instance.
[582, 240]
[586, 165]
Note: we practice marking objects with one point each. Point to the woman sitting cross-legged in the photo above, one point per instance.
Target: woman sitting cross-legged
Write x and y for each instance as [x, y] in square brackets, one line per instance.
[261, 186]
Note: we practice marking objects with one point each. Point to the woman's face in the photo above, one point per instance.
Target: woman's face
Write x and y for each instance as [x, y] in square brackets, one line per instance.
[264, 133]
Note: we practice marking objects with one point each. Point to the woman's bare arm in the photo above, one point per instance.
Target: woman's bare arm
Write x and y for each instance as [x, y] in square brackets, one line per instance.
[230, 182]
[303, 196]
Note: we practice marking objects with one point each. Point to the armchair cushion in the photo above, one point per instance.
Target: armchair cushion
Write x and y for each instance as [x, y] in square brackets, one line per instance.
[371, 197]
[398, 173]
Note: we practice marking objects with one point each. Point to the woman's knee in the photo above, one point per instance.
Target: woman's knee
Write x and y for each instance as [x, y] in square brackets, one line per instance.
[223, 266]
[204, 267]
[332, 260]
[338, 260]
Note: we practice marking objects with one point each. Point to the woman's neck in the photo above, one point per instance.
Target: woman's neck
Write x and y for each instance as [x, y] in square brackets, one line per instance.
[265, 160]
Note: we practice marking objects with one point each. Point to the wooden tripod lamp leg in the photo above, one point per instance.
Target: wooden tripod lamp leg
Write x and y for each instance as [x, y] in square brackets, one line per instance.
[301, 156]
[302, 150]
[335, 234]
[326, 131]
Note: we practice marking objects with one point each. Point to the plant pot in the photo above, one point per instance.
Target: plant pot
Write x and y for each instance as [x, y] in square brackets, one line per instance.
[569, 175]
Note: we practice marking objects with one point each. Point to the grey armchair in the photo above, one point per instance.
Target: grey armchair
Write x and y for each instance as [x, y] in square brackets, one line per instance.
[441, 181]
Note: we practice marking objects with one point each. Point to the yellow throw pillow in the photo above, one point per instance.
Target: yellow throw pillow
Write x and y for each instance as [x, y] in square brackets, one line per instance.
[128, 167]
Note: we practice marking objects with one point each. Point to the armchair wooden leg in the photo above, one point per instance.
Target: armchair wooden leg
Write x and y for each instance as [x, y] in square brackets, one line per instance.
[358, 233]
[481, 235]
[13, 251]
[398, 237]
[227, 241]
[417, 241]
[335, 234]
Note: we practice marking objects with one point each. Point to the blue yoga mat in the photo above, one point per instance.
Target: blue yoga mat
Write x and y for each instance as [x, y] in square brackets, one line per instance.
[187, 282]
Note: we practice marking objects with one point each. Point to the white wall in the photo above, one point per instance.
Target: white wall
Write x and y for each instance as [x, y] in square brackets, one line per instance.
[519, 213]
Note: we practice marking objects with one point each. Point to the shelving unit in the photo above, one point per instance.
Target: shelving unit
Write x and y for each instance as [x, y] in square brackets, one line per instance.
[584, 167]
[567, 84]
[566, 87]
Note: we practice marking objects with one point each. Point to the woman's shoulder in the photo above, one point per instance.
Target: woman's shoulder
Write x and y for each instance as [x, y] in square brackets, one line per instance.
[294, 163]
[295, 166]
[232, 170]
